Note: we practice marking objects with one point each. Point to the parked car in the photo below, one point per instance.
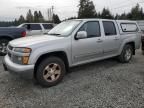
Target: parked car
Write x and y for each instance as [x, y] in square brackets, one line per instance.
[47, 58]
[37, 28]
[7, 34]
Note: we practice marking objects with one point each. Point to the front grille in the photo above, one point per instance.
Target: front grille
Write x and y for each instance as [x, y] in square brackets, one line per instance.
[10, 47]
[14, 58]
[9, 54]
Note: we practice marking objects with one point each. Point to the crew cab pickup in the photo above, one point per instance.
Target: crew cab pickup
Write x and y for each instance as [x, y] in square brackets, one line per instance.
[7, 34]
[33, 29]
[74, 42]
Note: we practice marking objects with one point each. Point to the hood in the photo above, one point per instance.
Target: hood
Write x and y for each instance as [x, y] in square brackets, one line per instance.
[32, 40]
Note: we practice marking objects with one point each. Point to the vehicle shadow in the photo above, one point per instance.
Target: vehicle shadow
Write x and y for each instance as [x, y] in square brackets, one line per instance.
[107, 63]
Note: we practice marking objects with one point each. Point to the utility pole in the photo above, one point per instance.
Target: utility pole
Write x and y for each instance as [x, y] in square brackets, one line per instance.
[52, 14]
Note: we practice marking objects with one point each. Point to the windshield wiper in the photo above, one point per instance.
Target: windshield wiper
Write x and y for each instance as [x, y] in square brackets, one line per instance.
[54, 34]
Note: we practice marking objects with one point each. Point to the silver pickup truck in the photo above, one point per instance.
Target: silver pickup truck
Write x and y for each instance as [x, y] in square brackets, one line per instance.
[47, 58]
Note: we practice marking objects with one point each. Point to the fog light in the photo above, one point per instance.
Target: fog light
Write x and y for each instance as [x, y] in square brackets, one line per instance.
[19, 58]
[25, 60]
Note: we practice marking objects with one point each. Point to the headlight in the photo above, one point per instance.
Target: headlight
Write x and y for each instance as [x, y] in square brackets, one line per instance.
[25, 56]
[23, 50]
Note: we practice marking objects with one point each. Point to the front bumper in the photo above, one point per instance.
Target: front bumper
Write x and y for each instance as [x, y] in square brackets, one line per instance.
[26, 71]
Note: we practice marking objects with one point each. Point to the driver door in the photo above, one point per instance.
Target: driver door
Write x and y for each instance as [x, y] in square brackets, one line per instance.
[88, 49]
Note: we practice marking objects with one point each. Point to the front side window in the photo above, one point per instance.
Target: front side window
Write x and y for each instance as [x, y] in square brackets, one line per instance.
[65, 28]
[109, 28]
[92, 29]
[35, 27]
[26, 26]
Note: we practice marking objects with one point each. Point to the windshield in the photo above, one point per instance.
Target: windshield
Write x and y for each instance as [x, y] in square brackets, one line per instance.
[64, 28]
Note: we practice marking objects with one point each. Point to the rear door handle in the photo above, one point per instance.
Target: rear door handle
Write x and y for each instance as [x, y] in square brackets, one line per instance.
[116, 38]
[99, 40]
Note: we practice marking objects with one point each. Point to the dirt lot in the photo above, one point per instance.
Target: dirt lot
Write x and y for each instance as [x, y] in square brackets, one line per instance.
[104, 84]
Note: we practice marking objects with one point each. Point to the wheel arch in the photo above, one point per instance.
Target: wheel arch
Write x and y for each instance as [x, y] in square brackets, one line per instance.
[61, 54]
[6, 37]
[132, 43]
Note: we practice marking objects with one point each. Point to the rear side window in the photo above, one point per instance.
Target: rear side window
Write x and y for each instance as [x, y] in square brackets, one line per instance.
[47, 26]
[129, 27]
[109, 28]
[35, 27]
[92, 29]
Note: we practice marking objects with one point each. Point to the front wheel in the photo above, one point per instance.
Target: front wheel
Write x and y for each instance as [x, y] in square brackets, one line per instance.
[3, 46]
[126, 54]
[50, 72]
[142, 52]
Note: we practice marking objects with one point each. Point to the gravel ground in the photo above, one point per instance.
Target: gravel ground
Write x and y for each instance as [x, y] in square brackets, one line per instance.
[104, 84]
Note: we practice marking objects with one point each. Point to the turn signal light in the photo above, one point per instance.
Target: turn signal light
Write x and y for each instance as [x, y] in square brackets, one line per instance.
[25, 60]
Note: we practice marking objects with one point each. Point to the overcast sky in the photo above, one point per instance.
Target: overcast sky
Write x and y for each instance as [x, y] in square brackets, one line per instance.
[11, 9]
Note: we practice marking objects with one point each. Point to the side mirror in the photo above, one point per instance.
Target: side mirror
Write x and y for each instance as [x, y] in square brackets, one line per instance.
[81, 35]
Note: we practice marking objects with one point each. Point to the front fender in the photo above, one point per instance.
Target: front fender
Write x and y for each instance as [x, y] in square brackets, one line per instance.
[46, 50]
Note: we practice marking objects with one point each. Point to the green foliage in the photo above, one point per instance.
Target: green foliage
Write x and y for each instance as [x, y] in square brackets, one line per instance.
[86, 9]
[136, 13]
[56, 19]
[40, 17]
[35, 17]
[106, 14]
[29, 17]
[21, 19]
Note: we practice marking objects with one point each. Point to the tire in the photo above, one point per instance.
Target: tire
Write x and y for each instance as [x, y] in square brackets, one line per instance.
[142, 52]
[3, 46]
[50, 72]
[126, 54]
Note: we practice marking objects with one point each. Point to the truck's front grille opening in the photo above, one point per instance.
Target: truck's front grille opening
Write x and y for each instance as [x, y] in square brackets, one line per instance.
[10, 47]
[9, 54]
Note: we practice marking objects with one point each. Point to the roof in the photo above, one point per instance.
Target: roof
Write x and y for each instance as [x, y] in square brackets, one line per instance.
[93, 19]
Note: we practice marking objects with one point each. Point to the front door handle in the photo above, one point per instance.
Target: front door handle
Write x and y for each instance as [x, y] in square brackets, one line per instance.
[116, 38]
[99, 40]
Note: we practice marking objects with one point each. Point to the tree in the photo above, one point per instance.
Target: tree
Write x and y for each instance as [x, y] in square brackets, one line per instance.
[36, 17]
[40, 16]
[21, 19]
[86, 9]
[56, 19]
[123, 16]
[106, 14]
[98, 15]
[29, 16]
[117, 16]
[136, 13]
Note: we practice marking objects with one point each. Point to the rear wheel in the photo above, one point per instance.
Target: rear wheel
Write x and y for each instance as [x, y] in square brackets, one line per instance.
[3, 46]
[126, 54]
[50, 72]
